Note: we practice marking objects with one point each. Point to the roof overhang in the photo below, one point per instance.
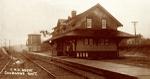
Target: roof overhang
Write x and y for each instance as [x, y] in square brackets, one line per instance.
[103, 33]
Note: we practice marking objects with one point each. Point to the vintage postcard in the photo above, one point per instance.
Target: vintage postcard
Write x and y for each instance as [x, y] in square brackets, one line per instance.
[74, 39]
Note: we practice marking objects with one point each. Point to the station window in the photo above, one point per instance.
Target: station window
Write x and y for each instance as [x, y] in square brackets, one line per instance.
[86, 42]
[104, 23]
[106, 42]
[103, 42]
[89, 23]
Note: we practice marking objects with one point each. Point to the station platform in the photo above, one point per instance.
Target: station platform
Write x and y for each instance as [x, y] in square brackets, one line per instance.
[114, 70]
[127, 70]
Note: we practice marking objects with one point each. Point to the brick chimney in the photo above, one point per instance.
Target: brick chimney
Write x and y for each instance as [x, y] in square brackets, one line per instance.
[73, 13]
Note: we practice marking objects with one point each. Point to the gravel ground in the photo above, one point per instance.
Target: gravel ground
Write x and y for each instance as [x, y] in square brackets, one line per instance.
[5, 59]
[21, 68]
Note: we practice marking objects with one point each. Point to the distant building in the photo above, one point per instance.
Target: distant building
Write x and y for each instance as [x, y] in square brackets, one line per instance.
[91, 34]
[34, 42]
[136, 41]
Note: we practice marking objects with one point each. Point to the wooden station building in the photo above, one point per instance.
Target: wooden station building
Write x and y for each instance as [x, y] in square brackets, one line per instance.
[91, 34]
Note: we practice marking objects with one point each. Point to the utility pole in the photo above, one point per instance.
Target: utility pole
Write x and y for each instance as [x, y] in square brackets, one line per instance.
[134, 24]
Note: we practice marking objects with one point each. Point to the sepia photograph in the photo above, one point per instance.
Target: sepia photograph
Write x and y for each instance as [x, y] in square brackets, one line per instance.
[74, 39]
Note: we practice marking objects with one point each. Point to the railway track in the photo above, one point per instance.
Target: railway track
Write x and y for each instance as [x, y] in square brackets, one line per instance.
[59, 72]
[24, 67]
[49, 73]
[20, 67]
[52, 65]
[44, 69]
[6, 59]
[3, 67]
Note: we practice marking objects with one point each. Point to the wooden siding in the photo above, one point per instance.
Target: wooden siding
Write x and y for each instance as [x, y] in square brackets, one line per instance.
[82, 45]
[97, 15]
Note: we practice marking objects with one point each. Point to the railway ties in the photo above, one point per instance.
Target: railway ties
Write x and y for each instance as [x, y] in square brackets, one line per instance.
[49, 73]
[95, 69]
[21, 68]
[5, 60]
[58, 72]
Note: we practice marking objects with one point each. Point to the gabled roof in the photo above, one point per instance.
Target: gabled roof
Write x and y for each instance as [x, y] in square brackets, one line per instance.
[84, 14]
[79, 32]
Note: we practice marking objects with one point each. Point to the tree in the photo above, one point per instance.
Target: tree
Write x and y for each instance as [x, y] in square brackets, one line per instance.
[45, 32]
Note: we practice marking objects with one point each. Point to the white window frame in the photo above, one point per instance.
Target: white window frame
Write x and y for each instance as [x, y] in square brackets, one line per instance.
[89, 23]
[104, 23]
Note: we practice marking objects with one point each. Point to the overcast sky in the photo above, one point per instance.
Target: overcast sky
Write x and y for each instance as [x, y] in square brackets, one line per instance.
[20, 17]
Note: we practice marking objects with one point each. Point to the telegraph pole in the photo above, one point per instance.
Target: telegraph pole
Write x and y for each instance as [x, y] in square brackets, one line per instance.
[134, 24]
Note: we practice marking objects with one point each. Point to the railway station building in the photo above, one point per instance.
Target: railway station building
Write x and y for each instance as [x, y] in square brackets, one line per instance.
[91, 34]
